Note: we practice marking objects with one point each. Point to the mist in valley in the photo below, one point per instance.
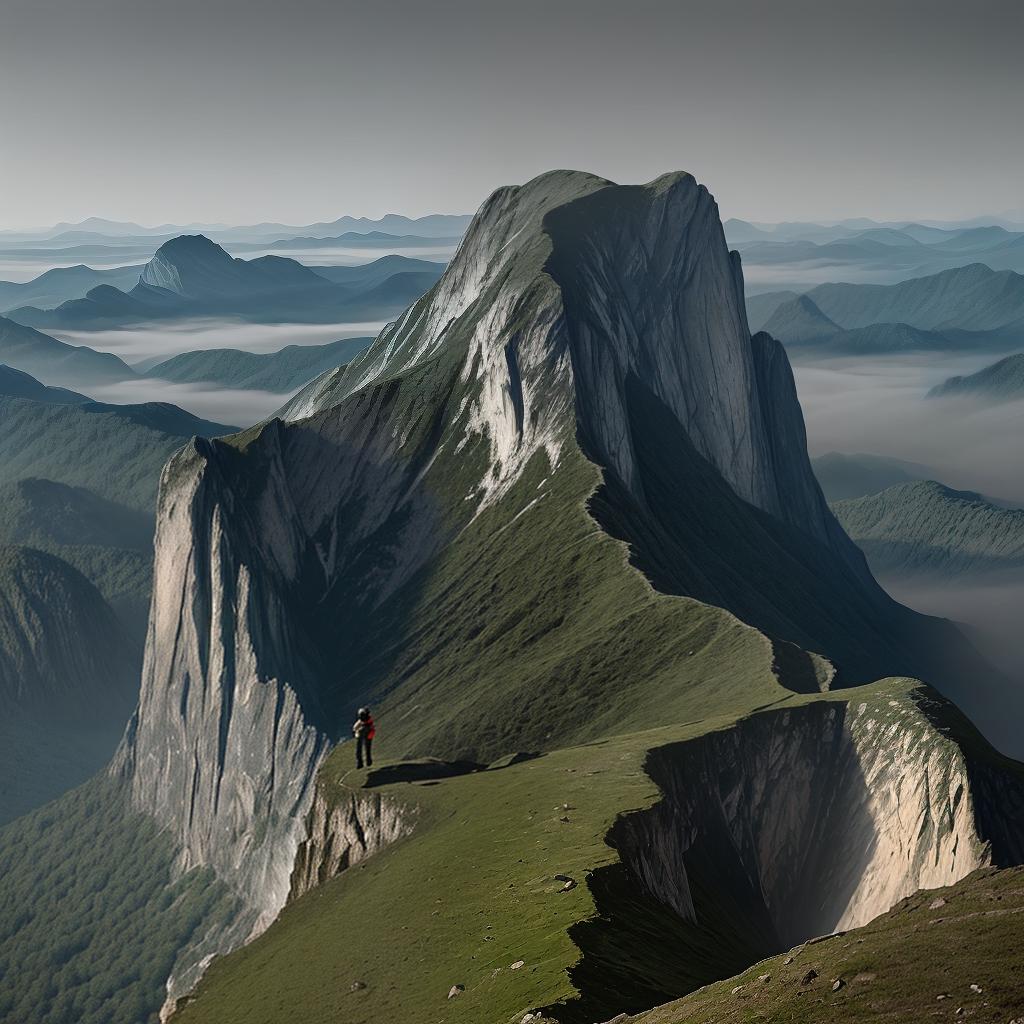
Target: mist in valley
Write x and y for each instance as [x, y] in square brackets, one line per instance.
[147, 344]
[236, 407]
[879, 406]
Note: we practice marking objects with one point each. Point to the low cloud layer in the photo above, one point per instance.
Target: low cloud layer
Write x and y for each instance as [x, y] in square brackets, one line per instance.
[233, 406]
[148, 344]
[879, 406]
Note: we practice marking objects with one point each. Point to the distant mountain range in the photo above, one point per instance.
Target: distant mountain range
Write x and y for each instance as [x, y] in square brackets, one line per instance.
[281, 371]
[970, 307]
[737, 230]
[1002, 381]
[925, 528]
[192, 276]
[906, 249]
[432, 226]
[56, 286]
[361, 240]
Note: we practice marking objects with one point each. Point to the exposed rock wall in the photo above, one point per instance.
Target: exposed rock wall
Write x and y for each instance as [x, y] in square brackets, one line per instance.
[345, 832]
[816, 819]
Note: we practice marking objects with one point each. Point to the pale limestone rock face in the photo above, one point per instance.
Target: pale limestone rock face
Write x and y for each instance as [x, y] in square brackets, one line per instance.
[346, 832]
[830, 815]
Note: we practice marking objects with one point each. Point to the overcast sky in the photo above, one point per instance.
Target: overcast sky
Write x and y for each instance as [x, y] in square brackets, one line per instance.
[301, 110]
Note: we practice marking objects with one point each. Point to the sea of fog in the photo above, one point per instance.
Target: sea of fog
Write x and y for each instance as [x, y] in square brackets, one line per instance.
[328, 256]
[145, 345]
[800, 277]
[878, 405]
[236, 407]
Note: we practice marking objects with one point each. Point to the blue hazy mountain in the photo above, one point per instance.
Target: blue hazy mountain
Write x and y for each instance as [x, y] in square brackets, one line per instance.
[192, 276]
[431, 225]
[360, 240]
[18, 384]
[800, 324]
[27, 349]
[969, 307]
[284, 370]
[368, 275]
[63, 283]
[1002, 381]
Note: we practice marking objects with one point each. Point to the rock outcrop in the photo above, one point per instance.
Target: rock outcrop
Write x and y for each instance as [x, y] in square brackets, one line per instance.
[784, 828]
[343, 833]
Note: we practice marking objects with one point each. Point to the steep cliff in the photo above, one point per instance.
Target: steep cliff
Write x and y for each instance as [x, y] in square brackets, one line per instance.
[437, 528]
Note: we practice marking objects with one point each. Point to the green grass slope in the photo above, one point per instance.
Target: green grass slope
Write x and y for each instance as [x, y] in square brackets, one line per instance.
[946, 954]
[473, 893]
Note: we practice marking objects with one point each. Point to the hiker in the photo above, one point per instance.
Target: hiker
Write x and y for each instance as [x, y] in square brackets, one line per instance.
[364, 730]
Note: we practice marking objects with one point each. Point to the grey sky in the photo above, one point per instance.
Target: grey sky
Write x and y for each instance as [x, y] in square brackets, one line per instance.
[300, 110]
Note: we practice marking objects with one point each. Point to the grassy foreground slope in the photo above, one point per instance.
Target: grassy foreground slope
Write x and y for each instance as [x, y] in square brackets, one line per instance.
[945, 954]
[473, 893]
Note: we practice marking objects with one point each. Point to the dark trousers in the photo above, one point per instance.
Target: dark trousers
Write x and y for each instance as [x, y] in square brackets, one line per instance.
[364, 743]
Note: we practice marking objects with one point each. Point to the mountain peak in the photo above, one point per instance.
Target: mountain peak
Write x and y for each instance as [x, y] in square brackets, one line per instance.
[189, 265]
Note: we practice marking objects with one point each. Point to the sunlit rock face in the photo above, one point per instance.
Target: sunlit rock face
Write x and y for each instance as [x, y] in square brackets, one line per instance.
[819, 819]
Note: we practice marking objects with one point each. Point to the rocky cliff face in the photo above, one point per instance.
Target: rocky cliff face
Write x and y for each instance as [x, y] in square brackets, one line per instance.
[343, 833]
[798, 823]
[587, 344]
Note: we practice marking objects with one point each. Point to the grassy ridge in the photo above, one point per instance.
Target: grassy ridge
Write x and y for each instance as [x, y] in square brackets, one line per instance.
[468, 895]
